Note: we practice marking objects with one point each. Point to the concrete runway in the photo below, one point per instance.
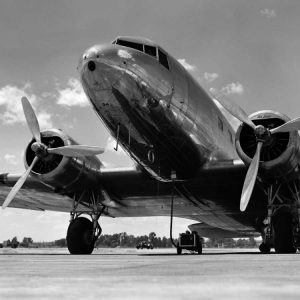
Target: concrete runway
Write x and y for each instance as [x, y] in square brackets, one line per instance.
[146, 274]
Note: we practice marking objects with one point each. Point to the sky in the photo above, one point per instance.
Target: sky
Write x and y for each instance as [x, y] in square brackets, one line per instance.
[249, 50]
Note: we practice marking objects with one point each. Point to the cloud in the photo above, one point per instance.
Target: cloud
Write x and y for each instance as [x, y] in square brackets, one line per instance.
[186, 65]
[72, 95]
[214, 91]
[269, 13]
[210, 77]
[10, 99]
[111, 144]
[11, 159]
[44, 120]
[107, 164]
[233, 88]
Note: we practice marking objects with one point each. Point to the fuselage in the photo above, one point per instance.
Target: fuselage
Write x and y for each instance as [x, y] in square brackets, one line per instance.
[154, 108]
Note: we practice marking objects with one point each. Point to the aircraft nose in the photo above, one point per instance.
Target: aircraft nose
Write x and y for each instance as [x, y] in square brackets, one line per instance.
[101, 67]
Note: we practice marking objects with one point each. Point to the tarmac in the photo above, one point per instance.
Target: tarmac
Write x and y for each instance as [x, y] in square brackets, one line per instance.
[148, 274]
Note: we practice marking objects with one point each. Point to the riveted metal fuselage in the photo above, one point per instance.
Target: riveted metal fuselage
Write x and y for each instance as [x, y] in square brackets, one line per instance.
[161, 116]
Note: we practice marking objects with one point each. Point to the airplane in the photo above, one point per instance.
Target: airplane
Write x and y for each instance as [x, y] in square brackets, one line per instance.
[190, 161]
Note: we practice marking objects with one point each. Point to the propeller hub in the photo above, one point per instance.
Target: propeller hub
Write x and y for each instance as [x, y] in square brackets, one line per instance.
[39, 149]
[262, 134]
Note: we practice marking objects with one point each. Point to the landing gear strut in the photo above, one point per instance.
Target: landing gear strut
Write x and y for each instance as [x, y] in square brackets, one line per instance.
[83, 233]
[282, 223]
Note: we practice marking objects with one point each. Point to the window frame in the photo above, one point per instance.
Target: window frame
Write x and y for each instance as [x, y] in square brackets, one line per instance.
[156, 52]
[132, 43]
[165, 57]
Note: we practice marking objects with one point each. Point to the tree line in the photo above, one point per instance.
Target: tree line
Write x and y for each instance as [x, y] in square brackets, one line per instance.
[130, 241]
[126, 241]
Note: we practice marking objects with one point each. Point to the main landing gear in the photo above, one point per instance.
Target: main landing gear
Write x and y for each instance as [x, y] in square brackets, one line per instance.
[282, 226]
[83, 233]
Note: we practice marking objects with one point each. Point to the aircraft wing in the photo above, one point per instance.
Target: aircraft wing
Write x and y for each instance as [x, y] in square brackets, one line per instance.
[211, 197]
[132, 192]
[33, 195]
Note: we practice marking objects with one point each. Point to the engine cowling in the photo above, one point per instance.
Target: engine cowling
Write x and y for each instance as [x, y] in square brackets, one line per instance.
[279, 156]
[65, 174]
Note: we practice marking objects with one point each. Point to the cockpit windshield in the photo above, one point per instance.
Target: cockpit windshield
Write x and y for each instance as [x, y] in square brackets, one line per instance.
[147, 49]
[130, 44]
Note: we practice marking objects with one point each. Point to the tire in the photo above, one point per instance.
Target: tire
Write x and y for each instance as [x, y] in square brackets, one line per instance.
[264, 248]
[179, 250]
[79, 236]
[283, 233]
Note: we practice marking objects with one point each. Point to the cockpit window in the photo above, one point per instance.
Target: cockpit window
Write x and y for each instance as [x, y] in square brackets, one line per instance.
[150, 50]
[162, 57]
[130, 45]
[147, 49]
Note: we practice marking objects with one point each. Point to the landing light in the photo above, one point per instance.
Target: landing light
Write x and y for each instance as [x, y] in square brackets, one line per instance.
[91, 66]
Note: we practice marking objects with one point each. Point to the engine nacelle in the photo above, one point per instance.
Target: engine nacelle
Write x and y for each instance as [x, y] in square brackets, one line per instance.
[279, 156]
[65, 174]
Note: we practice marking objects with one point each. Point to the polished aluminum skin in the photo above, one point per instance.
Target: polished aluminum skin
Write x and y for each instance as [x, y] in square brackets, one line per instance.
[162, 116]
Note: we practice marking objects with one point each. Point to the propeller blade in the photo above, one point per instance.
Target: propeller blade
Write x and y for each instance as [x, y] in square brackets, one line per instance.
[250, 178]
[18, 185]
[31, 119]
[289, 126]
[235, 110]
[76, 150]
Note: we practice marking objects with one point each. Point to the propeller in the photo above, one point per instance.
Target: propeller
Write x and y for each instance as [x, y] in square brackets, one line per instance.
[250, 178]
[235, 110]
[263, 135]
[76, 150]
[31, 119]
[292, 125]
[19, 184]
[41, 150]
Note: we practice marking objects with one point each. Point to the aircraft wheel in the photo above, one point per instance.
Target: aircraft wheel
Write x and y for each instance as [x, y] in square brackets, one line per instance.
[179, 250]
[79, 236]
[264, 248]
[283, 233]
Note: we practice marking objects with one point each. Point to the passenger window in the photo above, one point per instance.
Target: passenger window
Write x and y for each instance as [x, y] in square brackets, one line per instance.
[150, 50]
[130, 45]
[220, 124]
[163, 59]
